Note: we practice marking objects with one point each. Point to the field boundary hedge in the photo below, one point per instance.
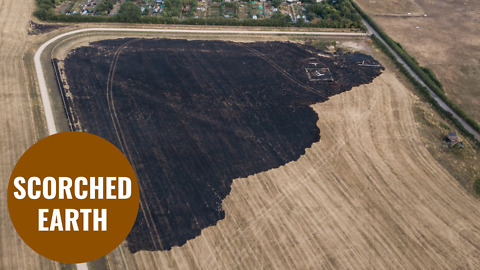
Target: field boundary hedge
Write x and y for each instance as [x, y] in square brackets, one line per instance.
[425, 74]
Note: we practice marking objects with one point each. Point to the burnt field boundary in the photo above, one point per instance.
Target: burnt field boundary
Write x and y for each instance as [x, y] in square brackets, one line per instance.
[42, 84]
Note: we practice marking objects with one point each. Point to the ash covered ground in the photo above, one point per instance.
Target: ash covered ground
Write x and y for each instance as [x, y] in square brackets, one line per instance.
[192, 116]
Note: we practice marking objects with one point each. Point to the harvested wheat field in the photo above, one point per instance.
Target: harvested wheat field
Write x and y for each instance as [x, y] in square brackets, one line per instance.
[368, 195]
[17, 126]
[447, 40]
[392, 7]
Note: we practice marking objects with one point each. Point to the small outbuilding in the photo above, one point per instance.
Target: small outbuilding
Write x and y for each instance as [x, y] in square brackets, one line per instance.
[452, 139]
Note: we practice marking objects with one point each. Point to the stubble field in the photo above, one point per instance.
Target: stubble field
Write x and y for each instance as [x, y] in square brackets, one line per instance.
[18, 128]
[447, 41]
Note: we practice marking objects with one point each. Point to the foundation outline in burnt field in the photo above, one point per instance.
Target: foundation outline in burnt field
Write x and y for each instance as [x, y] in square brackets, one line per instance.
[192, 116]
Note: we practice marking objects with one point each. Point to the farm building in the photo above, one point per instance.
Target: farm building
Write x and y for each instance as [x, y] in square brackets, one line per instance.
[452, 139]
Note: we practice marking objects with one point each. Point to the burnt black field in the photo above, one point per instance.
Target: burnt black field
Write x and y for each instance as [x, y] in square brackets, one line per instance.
[197, 114]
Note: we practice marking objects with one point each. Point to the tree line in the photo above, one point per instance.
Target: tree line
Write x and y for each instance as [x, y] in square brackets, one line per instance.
[329, 14]
[335, 13]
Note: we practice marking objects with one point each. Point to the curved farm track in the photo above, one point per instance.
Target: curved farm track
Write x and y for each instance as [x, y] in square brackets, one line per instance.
[143, 209]
[17, 126]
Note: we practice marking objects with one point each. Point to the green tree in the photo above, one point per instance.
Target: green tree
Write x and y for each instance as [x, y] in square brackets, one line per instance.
[129, 12]
[105, 5]
[276, 3]
[222, 9]
[44, 9]
[173, 8]
[280, 19]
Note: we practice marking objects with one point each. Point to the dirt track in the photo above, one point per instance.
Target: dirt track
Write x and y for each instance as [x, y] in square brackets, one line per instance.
[17, 130]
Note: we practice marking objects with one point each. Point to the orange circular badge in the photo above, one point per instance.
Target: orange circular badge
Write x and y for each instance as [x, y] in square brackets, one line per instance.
[73, 197]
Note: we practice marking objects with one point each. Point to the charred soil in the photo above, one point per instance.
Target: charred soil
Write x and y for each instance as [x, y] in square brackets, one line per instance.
[191, 116]
[37, 29]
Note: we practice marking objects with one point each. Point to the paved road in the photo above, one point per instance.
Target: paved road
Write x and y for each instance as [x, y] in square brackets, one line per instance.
[435, 96]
